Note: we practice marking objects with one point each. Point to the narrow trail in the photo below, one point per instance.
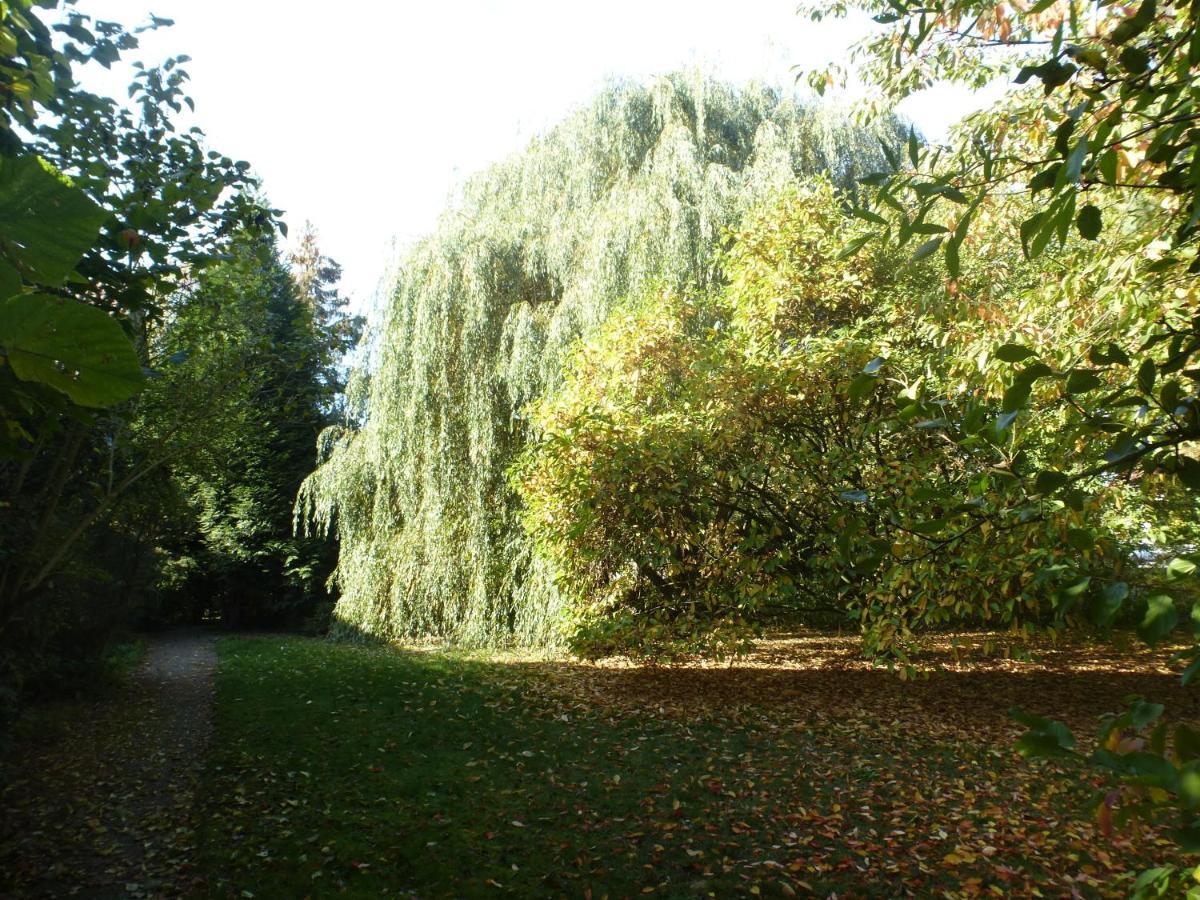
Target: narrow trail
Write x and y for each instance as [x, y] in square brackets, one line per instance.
[104, 806]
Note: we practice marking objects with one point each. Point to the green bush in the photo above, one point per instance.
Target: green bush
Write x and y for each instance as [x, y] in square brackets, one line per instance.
[715, 458]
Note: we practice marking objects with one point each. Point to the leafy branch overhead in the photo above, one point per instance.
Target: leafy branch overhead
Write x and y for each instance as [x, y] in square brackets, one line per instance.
[108, 209]
[46, 225]
[1107, 136]
[101, 204]
[1089, 164]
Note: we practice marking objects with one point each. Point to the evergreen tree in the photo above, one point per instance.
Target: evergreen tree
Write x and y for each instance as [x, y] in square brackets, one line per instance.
[263, 346]
[316, 277]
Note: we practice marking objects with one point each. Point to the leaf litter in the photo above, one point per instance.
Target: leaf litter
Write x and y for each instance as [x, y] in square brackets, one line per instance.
[799, 771]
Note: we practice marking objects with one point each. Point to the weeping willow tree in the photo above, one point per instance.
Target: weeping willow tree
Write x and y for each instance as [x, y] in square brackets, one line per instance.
[633, 191]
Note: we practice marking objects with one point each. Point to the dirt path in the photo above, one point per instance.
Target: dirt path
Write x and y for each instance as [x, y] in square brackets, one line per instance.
[104, 805]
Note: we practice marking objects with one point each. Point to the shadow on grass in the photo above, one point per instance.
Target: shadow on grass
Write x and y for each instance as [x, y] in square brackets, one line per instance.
[962, 685]
[363, 770]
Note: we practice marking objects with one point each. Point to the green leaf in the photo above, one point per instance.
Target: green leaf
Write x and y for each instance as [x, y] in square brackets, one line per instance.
[953, 265]
[926, 249]
[1075, 499]
[1134, 25]
[1150, 766]
[1076, 588]
[46, 224]
[1045, 179]
[1062, 139]
[1089, 222]
[1048, 481]
[1180, 568]
[1032, 373]
[1016, 396]
[1160, 619]
[868, 216]
[1045, 738]
[1193, 667]
[1080, 381]
[1146, 374]
[890, 155]
[1170, 394]
[10, 280]
[1108, 166]
[1035, 234]
[1064, 217]
[1143, 714]
[1013, 353]
[74, 348]
[1151, 877]
[1081, 538]
[854, 246]
[1108, 356]
[862, 385]
[1135, 60]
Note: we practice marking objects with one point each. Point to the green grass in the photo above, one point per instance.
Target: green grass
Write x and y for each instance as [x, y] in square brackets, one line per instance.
[340, 770]
[122, 657]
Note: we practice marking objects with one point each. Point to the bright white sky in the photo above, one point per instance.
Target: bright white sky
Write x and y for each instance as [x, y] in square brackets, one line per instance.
[361, 116]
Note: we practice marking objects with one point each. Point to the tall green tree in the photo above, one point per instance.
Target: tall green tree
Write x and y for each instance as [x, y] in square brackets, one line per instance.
[635, 189]
[105, 209]
[253, 382]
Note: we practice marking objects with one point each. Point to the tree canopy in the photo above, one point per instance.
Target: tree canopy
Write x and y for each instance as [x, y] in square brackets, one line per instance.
[163, 377]
[636, 188]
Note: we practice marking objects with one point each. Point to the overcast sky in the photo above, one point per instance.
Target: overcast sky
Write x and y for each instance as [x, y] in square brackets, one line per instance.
[362, 115]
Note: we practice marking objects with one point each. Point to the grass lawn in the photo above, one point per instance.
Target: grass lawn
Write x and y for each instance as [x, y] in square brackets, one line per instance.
[344, 770]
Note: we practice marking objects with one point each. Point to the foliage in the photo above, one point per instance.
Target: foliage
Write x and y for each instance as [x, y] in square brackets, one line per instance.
[1130, 413]
[46, 224]
[700, 466]
[104, 209]
[1100, 142]
[240, 399]
[633, 190]
[316, 279]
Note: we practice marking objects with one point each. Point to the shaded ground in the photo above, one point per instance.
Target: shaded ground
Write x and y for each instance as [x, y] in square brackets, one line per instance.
[967, 684]
[800, 772]
[99, 802]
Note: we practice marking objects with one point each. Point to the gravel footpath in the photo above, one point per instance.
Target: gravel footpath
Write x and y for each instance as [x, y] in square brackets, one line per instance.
[105, 806]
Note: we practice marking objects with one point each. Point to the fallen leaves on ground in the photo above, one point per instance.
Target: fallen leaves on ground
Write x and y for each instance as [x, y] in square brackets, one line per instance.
[97, 801]
[801, 771]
